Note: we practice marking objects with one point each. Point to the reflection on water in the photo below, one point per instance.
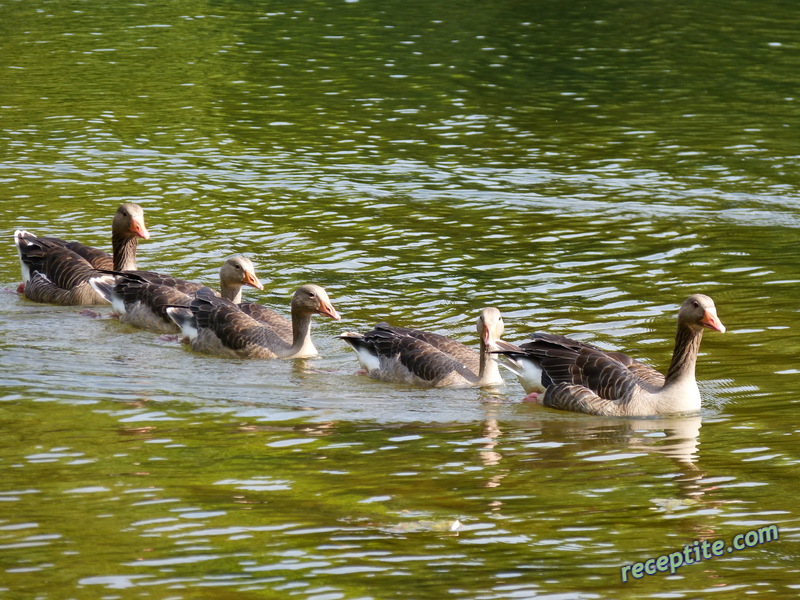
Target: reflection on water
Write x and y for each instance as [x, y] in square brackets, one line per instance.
[303, 502]
[582, 167]
[676, 439]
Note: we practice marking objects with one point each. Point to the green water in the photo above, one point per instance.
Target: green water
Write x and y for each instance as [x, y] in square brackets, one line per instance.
[582, 166]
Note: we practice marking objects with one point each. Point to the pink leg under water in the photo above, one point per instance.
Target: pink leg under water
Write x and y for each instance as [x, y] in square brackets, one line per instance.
[532, 397]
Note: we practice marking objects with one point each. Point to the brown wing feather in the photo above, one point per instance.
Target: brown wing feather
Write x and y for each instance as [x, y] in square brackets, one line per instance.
[577, 398]
[236, 330]
[582, 377]
[429, 356]
[269, 318]
[59, 275]
[154, 278]
[604, 376]
[155, 296]
[444, 344]
[40, 289]
[99, 259]
[642, 371]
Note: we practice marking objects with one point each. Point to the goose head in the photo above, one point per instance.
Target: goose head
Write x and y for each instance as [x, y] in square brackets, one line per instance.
[698, 312]
[312, 299]
[129, 222]
[490, 326]
[238, 271]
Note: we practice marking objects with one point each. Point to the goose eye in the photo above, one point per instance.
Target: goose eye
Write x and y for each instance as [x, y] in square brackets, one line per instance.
[696, 304]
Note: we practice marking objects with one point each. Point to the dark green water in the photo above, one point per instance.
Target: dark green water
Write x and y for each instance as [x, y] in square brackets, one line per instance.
[582, 166]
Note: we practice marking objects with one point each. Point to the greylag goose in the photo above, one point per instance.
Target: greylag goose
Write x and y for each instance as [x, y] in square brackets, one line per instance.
[268, 317]
[141, 298]
[218, 326]
[58, 272]
[570, 375]
[429, 359]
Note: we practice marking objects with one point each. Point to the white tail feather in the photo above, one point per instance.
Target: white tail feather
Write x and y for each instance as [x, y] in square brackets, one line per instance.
[184, 319]
[19, 241]
[527, 370]
[104, 286]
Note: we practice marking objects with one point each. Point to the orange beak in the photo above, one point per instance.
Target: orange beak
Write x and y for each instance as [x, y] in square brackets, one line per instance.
[488, 339]
[139, 230]
[326, 308]
[251, 280]
[711, 320]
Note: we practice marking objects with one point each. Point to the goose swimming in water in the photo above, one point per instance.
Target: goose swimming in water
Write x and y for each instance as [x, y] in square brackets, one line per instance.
[55, 271]
[567, 374]
[217, 326]
[429, 359]
[141, 298]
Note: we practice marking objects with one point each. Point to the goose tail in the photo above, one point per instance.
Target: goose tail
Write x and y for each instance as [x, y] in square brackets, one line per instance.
[184, 319]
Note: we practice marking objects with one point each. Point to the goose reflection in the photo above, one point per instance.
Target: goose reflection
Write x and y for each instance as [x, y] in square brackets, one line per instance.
[560, 441]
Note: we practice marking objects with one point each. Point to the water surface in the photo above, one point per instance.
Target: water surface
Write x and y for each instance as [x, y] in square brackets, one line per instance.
[582, 167]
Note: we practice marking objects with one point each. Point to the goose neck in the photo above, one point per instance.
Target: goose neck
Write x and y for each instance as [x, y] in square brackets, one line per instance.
[489, 370]
[124, 251]
[684, 356]
[301, 335]
[232, 292]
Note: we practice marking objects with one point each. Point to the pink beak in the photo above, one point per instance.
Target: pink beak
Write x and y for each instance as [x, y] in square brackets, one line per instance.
[488, 339]
[711, 320]
[327, 309]
[251, 280]
[138, 229]
[486, 335]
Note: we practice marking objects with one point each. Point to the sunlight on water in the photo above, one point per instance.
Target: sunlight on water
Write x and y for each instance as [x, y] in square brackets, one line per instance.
[582, 168]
